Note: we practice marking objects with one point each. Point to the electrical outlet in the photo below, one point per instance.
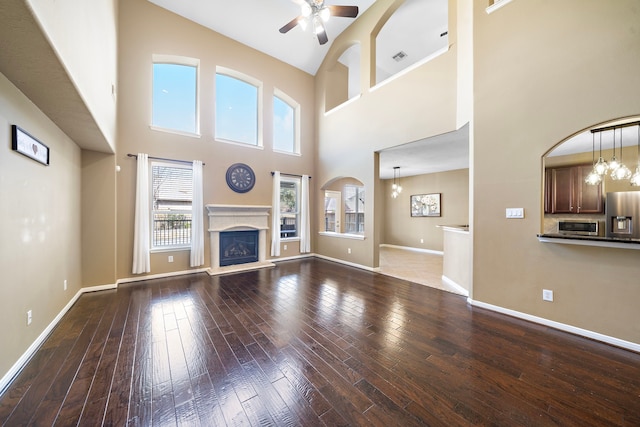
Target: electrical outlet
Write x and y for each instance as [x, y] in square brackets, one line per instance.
[65, 284]
[285, 247]
[348, 250]
[29, 317]
[547, 295]
[421, 240]
[170, 258]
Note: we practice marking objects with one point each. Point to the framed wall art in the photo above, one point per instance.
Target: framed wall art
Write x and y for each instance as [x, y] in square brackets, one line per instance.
[425, 204]
[29, 146]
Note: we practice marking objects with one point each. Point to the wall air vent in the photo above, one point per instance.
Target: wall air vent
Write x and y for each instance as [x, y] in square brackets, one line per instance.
[399, 56]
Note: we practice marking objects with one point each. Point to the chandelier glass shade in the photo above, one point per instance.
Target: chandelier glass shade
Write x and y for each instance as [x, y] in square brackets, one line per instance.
[615, 168]
[396, 188]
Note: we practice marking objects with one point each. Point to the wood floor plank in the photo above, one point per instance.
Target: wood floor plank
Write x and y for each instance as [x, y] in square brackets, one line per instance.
[311, 342]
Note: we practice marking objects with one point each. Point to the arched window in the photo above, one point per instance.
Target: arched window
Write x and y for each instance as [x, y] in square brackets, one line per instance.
[238, 108]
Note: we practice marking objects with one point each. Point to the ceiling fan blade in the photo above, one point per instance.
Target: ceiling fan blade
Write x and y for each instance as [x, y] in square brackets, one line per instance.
[290, 25]
[322, 36]
[344, 11]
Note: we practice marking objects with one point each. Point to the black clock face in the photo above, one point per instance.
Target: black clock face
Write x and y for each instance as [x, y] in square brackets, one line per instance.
[240, 178]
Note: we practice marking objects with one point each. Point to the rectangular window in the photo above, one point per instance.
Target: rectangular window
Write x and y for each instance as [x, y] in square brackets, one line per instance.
[286, 118]
[175, 102]
[236, 110]
[172, 195]
[353, 209]
[289, 207]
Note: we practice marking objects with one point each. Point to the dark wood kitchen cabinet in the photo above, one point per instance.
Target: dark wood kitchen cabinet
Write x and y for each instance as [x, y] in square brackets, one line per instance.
[566, 191]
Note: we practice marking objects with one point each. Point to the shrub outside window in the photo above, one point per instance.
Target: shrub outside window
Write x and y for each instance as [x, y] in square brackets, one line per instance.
[171, 211]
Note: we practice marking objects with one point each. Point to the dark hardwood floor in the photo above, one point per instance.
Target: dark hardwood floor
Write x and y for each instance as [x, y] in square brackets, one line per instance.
[312, 343]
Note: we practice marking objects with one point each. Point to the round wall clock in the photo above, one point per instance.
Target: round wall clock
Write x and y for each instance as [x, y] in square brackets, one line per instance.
[240, 178]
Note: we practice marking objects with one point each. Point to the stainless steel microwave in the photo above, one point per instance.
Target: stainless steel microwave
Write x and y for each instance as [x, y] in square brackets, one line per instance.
[580, 228]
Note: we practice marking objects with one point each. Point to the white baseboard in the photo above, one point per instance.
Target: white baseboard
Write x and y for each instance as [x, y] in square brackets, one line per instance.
[456, 286]
[409, 248]
[561, 326]
[26, 356]
[341, 261]
[160, 275]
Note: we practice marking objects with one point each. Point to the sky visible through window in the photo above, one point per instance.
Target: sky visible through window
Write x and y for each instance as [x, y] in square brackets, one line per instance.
[174, 97]
[283, 126]
[236, 110]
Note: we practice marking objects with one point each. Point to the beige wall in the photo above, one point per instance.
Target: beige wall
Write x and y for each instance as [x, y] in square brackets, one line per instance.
[417, 105]
[143, 32]
[534, 88]
[403, 230]
[84, 36]
[40, 226]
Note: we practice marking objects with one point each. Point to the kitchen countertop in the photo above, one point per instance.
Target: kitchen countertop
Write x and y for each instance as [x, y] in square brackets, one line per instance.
[455, 227]
[610, 242]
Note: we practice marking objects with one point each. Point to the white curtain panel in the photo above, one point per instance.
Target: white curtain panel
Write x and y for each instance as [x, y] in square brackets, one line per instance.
[275, 216]
[142, 228]
[197, 217]
[305, 221]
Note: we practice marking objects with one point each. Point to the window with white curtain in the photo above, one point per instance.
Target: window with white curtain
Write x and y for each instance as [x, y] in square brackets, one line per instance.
[171, 209]
[289, 207]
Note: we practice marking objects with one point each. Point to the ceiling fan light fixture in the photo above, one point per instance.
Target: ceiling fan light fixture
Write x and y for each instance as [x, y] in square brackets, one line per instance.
[303, 24]
[305, 9]
[318, 28]
[325, 14]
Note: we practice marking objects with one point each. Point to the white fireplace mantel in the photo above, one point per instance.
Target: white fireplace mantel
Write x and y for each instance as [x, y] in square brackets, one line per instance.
[237, 218]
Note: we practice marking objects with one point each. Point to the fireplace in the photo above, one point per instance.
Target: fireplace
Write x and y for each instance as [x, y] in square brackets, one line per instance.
[237, 222]
[238, 247]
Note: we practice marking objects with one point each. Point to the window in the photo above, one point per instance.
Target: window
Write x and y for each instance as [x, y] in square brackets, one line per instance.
[171, 195]
[353, 209]
[332, 211]
[286, 119]
[237, 102]
[289, 207]
[175, 103]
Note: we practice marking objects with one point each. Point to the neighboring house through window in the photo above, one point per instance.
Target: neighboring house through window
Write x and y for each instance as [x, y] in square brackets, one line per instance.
[175, 100]
[171, 196]
[353, 209]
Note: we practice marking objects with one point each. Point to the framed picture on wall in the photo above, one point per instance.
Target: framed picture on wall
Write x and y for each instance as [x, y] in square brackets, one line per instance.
[29, 146]
[425, 204]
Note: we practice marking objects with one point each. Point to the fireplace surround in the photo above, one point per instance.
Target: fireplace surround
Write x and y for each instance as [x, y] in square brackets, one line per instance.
[227, 218]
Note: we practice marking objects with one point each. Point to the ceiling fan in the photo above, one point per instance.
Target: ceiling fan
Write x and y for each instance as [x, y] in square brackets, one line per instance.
[315, 13]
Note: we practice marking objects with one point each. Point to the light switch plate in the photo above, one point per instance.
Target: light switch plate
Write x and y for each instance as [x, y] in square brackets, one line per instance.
[515, 213]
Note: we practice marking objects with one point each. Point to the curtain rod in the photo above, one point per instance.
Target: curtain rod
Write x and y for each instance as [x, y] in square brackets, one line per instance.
[287, 174]
[163, 158]
[624, 125]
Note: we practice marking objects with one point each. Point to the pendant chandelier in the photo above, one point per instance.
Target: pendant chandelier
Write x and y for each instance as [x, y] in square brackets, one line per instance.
[616, 168]
[396, 188]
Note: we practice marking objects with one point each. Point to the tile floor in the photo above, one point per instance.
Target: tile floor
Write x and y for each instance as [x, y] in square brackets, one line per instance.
[415, 266]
